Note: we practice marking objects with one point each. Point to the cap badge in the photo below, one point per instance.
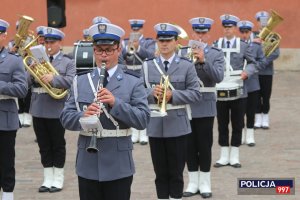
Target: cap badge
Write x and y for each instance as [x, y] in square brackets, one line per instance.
[244, 23]
[102, 28]
[227, 17]
[163, 27]
[201, 20]
[49, 30]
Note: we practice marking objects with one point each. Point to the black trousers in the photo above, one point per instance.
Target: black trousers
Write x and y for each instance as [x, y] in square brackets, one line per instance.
[50, 137]
[168, 158]
[235, 111]
[265, 82]
[7, 160]
[199, 144]
[108, 190]
[24, 103]
[251, 107]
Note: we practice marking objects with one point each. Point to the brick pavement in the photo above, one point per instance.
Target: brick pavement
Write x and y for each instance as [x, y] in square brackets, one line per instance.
[276, 154]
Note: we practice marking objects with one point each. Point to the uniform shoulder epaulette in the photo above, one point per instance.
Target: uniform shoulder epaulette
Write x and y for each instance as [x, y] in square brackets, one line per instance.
[126, 39]
[149, 38]
[216, 48]
[131, 72]
[243, 41]
[184, 47]
[184, 58]
[147, 59]
[13, 53]
[68, 56]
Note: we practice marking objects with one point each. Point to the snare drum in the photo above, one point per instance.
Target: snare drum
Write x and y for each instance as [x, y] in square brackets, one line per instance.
[230, 89]
[84, 56]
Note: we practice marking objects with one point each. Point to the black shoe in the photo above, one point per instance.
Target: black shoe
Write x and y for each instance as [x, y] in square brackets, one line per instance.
[206, 195]
[44, 189]
[236, 165]
[217, 165]
[190, 194]
[54, 189]
[265, 127]
[143, 143]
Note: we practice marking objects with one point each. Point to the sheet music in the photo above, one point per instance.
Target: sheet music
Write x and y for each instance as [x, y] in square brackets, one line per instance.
[39, 53]
[195, 44]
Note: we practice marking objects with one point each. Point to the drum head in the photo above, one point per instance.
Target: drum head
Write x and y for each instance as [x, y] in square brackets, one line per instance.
[84, 56]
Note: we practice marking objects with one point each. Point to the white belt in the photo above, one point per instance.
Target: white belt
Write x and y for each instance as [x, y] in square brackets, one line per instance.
[3, 97]
[134, 67]
[39, 90]
[168, 107]
[108, 133]
[208, 89]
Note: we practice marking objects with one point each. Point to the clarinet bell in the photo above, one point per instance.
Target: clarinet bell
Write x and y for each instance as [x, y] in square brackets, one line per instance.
[92, 148]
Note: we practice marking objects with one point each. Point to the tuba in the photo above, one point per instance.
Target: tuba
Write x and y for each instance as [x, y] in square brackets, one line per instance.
[271, 39]
[24, 40]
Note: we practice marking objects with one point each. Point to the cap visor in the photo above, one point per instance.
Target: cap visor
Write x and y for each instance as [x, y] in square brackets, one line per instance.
[51, 39]
[200, 30]
[106, 42]
[166, 37]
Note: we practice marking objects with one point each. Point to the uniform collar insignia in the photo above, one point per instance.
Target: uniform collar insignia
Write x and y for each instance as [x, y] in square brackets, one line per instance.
[119, 77]
[157, 60]
[206, 50]
[3, 55]
[177, 59]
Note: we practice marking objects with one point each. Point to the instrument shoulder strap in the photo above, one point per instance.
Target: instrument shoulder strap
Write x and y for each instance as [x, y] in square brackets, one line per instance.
[162, 73]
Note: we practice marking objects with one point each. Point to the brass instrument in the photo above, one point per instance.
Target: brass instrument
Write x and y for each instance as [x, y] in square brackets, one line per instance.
[164, 83]
[37, 69]
[134, 36]
[271, 39]
[24, 40]
[24, 37]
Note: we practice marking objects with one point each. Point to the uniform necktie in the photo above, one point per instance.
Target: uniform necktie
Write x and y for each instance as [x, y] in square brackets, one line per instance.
[228, 44]
[105, 81]
[166, 65]
[51, 59]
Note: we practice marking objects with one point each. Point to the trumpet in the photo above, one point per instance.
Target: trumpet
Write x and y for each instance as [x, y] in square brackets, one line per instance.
[92, 148]
[164, 83]
[134, 36]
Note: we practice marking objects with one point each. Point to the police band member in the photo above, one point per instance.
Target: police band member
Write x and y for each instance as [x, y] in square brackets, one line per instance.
[40, 34]
[265, 80]
[46, 110]
[108, 173]
[168, 134]
[13, 85]
[135, 50]
[210, 70]
[252, 83]
[85, 35]
[240, 58]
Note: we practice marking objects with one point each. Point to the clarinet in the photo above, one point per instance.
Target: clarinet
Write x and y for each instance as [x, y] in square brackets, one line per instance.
[92, 148]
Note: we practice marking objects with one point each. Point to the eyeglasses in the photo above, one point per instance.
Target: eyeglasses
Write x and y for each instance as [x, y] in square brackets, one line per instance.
[243, 32]
[108, 52]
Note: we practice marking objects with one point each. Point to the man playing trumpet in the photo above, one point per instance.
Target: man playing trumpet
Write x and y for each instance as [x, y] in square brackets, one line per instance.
[168, 134]
[209, 64]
